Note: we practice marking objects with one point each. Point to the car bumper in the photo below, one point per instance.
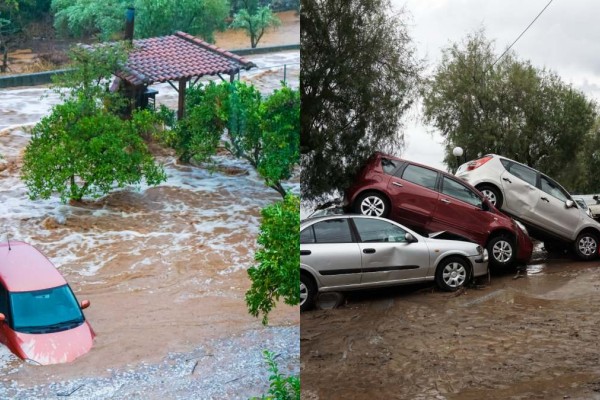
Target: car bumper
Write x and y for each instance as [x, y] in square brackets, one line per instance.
[480, 264]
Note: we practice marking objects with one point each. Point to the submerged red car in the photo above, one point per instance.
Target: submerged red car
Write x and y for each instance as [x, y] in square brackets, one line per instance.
[40, 318]
[429, 200]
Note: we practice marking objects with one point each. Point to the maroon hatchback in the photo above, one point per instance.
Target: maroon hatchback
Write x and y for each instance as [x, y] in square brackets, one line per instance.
[429, 200]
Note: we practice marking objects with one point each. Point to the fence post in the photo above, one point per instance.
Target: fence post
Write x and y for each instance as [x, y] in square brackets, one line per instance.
[284, 73]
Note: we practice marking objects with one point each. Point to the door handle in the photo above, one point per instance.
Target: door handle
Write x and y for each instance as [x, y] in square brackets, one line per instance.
[507, 180]
[397, 184]
[446, 201]
[546, 200]
[368, 251]
[305, 252]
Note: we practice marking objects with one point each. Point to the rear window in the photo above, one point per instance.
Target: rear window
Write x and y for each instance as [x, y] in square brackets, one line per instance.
[420, 176]
[524, 173]
[307, 235]
[333, 231]
[460, 192]
[389, 166]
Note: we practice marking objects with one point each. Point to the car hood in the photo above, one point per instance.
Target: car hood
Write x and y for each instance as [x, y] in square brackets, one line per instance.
[446, 245]
[56, 347]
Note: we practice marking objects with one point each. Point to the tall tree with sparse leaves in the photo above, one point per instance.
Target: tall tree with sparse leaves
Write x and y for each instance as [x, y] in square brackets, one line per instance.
[509, 108]
[359, 78]
[255, 21]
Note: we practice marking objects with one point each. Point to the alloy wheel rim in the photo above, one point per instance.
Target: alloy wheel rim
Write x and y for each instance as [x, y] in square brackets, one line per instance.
[490, 196]
[303, 293]
[502, 251]
[372, 206]
[587, 246]
[454, 274]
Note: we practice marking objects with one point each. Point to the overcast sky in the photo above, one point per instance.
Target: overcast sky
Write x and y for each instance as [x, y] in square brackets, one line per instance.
[565, 39]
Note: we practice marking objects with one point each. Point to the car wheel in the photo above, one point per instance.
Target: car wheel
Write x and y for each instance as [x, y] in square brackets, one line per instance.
[308, 292]
[501, 250]
[452, 274]
[492, 194]
[372, 204]
[586, 246]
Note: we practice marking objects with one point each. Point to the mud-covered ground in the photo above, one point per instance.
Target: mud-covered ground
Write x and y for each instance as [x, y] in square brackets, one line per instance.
[164, 268]
[532, 335]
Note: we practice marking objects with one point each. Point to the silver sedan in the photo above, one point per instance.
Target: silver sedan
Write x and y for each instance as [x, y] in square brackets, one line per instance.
[346, 252]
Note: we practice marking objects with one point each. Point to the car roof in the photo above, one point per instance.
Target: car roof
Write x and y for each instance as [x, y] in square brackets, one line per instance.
[24, 268]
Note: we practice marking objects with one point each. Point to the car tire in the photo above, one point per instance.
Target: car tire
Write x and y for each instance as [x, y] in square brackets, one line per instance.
[493, 195]
[308, 292]
[373, 204]
[452, 273]
[502, 251]
[586, 246]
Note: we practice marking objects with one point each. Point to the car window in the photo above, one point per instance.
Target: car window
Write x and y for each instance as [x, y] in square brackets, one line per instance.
[553, 189]
[374, 230]
[41, 309]
[459, 191]
[307, 235]
[389, 166]
[524, 173]
[421, 176]
[333, 231]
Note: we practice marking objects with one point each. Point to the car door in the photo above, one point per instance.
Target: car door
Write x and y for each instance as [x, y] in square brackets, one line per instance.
[329, 248]
[460, 211]
[413, 194]
[521, 193]
[552, 213]
[386, 255]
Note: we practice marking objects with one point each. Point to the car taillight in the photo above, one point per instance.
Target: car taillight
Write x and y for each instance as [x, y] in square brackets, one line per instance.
[478, 163]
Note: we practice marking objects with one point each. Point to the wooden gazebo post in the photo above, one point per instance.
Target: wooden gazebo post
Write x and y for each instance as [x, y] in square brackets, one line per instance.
[181, 102]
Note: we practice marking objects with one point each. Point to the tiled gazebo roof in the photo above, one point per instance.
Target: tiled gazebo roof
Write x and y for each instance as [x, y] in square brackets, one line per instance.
[178, 57]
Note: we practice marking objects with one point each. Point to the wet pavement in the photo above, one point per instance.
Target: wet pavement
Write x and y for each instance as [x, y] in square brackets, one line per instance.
[164, 269]
[530, 335]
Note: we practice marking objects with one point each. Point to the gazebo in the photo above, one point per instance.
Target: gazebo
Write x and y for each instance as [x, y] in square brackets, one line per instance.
[180, 57]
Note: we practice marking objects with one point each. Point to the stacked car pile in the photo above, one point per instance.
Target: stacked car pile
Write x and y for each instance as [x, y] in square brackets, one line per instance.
[343, 252]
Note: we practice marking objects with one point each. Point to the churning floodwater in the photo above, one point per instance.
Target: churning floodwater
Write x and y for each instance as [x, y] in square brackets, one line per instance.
[164, 267]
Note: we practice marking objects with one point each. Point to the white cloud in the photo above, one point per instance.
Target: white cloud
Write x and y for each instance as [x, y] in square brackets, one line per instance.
[564, 39]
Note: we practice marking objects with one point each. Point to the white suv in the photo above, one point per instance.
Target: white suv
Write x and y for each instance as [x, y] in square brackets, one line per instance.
[545, 207]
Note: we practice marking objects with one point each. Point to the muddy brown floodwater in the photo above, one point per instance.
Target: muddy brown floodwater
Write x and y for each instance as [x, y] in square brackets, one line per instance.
[533, 337]
[164, 269]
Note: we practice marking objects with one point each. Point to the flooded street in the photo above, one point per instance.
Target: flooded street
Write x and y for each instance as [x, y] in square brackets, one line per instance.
[525, 336]
[164, 269]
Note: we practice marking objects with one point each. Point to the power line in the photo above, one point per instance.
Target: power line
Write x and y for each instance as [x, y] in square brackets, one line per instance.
[522, 33]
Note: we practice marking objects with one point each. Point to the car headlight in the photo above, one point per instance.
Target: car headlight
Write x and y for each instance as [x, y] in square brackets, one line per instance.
[479, 249]
[521, 227]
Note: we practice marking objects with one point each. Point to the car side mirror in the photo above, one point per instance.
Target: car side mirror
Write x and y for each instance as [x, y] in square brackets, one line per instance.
[595, 197]
[84, 304]
[485, 205]
[410, 238]
[570, 203]
[2, 318]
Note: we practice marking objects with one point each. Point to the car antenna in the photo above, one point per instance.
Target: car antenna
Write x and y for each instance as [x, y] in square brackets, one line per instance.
[8, 240]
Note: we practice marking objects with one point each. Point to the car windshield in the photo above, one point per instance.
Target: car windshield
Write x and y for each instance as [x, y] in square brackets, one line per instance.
[47, 310]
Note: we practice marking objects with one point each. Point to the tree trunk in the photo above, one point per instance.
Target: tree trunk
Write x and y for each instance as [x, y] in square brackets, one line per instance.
[279, 188]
